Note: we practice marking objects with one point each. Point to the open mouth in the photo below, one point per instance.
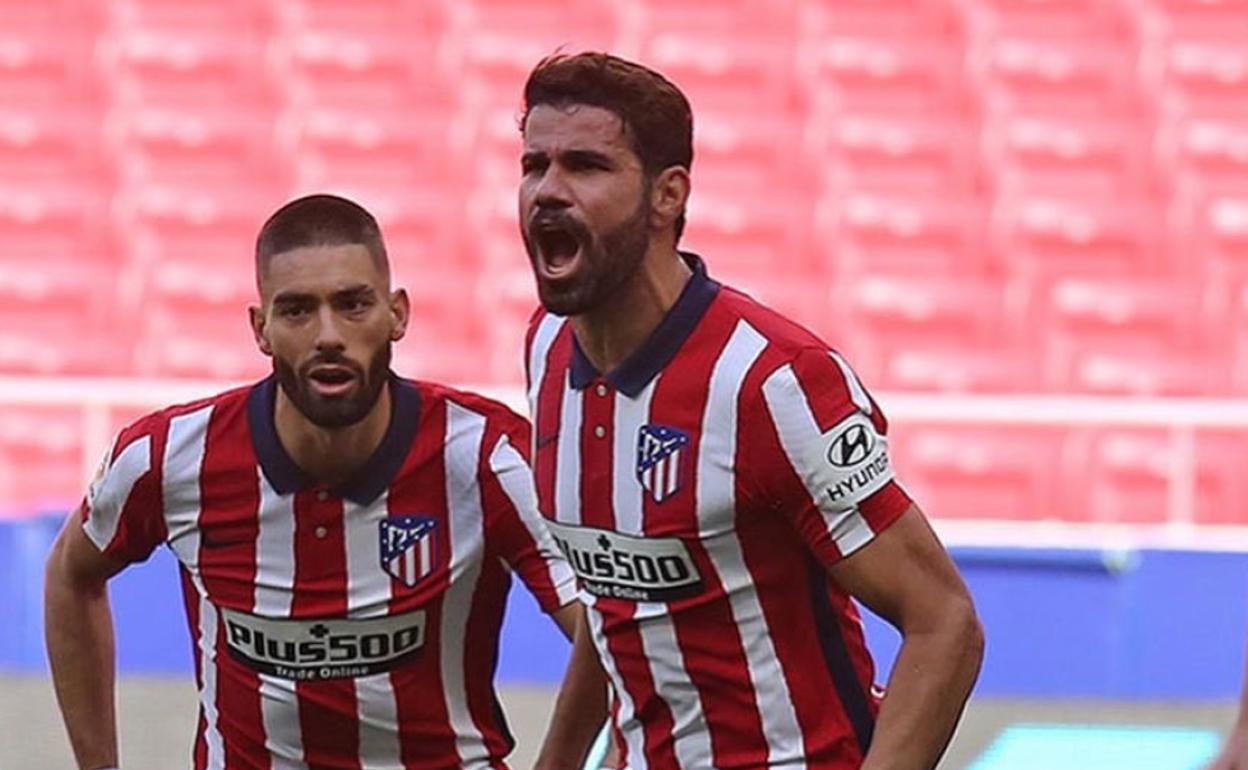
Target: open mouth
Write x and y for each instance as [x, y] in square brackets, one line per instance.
[330, 380]
[558, 249]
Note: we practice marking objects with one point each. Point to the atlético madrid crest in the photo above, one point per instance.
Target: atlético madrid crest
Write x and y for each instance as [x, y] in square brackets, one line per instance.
[408, 548]
[660, 457]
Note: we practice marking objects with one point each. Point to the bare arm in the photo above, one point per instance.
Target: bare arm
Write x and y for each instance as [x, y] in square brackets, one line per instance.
[581, 707]
[1234, 754]
[907, 578]
[79, 634]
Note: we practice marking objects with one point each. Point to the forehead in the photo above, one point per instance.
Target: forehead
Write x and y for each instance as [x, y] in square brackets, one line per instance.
[552, 129]
[321, 270]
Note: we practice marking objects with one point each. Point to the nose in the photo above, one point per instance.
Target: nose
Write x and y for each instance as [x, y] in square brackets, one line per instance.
[328, 335]
[551, 190]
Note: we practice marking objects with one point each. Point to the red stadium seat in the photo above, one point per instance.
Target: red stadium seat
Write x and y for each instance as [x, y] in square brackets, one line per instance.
[918, 18]
[371, 147]
[861, 151]
[212, 346]
[1121, 475]
[735, 224]
[1163, 18]
[726, 68]
[873, 73]
[1063, 75]
[761, 143]
[181, 66]
[217, 144]
[387, 67]
[1199, 75]
[1053, 232]
[406, 16]
[1081, 155]
[1132, 367]
[960, 368]
[978, 472]
[1221, 484]
[909, 309]
[219, 14]
[1050, 18]
[1204, 154]
[39, 142]
[41, 461]
[927, 232]
[1211, 231]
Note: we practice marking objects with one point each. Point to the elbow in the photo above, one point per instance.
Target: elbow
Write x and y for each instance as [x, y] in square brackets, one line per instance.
[970, 634]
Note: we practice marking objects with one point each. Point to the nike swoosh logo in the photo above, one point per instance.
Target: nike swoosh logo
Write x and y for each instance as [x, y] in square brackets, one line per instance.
[546, 440]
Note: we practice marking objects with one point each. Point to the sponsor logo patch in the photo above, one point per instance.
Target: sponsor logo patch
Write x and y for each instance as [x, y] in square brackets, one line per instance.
[643, 569]
[851, 446]
[315, 650]
[409, 550]
[660, 460]
[855, 462]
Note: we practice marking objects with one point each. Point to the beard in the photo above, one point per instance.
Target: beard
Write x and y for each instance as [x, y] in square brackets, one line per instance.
[338, 412]
[609, 262]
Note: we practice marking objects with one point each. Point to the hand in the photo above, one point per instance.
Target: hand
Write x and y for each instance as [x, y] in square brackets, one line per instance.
[1234, 754]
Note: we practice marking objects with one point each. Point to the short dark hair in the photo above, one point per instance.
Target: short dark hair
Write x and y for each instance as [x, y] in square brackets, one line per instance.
[655, 113]
[319, 220]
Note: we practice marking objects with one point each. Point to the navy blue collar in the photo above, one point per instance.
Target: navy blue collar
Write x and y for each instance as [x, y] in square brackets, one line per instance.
[635, 373]
[367, 483]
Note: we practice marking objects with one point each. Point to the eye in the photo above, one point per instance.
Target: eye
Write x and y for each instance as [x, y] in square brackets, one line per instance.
[293, 312]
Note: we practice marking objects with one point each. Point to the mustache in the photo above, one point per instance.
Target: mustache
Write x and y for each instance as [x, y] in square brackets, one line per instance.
[331, 359]
[558, 219]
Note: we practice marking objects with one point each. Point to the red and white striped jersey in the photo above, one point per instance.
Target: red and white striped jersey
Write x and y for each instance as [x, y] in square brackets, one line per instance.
[701, 491]
[349, 627]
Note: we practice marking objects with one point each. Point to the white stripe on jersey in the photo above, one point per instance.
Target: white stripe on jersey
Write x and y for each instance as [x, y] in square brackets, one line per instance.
[568, 459]
[465, 434]
[547, 330]
[690, 736]
[626, 492]
[716, 491]
[857, 393]
[798, 429]
[516, 479]
[369, 590]
[629, 726]
[184, 458]
[274, 589]
[108, 499]
[658, 635]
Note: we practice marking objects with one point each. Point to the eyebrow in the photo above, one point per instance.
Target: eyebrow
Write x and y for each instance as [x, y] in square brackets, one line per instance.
[299, 297]
[581, 156]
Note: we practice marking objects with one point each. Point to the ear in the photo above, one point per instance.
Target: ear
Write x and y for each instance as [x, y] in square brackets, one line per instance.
[669, 193]
[401, 311]
[256, 316]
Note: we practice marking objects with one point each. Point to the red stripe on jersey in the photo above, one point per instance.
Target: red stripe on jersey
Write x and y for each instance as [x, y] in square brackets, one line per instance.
[549, 412]
[424, 725]
[597, 472]
[229, 526]
[624, 643]
[782, 582]
[823, 383]
[885, 507]
[327, 709]
[190, 599]
[705, 628]
[481, 660]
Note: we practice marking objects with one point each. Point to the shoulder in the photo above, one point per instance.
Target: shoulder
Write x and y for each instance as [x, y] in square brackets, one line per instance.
[496, 415]
[156, 425]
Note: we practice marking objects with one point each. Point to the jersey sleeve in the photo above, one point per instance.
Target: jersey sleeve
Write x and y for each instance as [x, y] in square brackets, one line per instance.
[834, 475]
[122, 512]
[516, 526]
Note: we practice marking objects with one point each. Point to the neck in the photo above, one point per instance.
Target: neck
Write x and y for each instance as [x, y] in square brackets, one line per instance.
[331, 455]
[612, 332]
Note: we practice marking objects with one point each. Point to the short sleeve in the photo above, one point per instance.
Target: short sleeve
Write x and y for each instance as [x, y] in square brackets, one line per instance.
[835, 477]
[122, 512]
[518, 530]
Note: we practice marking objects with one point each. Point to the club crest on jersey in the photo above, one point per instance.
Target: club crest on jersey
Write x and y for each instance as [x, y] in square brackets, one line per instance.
[660, 460]
[408, 548]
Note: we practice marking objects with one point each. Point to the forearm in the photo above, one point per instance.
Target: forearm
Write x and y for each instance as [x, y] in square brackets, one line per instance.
[929, 686]
[79, 635]
[580, 709]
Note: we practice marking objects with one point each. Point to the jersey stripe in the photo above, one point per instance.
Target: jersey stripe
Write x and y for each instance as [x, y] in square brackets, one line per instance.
[109, 498]
[798, 428]
[716, 489]
[509, 467]
[547, 332]
[568, 458]
[626, 493]
[465, 432]
[274, 582]
[184, 455]
[836, 656]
